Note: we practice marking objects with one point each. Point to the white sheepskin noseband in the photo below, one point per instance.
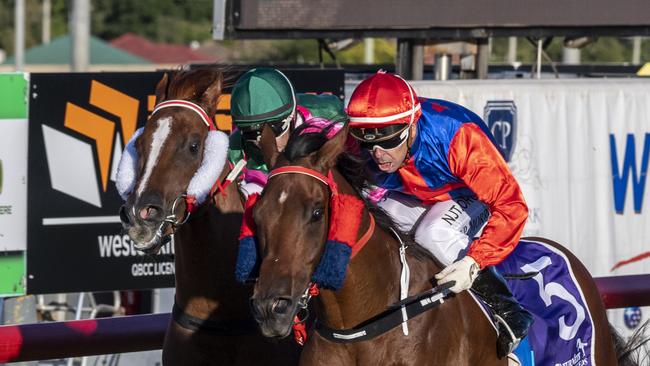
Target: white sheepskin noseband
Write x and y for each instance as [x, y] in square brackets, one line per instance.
[214, 159]
[215, 151]
[126, 170]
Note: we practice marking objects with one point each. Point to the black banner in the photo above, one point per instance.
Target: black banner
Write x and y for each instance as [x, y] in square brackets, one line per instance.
[78, 126]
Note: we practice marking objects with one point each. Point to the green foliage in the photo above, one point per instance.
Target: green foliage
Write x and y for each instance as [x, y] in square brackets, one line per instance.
[304, 51]
[174, 21]
[384, 52]
[33, 22]
[604, 49]
[182, 21]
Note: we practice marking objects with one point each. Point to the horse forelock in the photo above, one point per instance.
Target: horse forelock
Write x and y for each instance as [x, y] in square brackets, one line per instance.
[190, 84]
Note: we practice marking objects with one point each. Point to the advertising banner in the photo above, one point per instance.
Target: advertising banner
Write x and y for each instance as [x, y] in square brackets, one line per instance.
[79, 124]
[13, 161]
[580, 151]
[14, 88]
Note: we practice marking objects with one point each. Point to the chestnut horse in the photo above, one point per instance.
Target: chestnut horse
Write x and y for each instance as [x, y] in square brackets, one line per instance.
[292, 223]
[182, 157]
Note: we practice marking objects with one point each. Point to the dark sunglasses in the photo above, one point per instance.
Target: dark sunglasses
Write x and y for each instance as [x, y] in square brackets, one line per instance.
[255, 132]
[386, 138]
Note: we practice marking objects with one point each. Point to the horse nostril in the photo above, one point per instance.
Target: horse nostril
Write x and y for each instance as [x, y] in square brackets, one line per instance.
[281, 305]
[150, 212]
[124, 216]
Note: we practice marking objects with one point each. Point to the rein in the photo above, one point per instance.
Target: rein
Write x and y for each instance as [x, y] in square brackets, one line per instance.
[395, 315]
[299, 327]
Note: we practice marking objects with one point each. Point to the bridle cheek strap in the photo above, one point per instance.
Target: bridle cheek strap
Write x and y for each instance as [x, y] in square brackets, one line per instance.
[345, 218]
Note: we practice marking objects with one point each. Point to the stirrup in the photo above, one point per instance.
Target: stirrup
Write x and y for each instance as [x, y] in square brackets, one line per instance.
[503, 350]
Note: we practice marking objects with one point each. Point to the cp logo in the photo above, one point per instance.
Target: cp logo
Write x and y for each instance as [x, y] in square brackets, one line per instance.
[632, 317]
[501, 118]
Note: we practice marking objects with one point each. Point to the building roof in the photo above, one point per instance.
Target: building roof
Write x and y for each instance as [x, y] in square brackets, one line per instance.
[58, 51]
[162, 53]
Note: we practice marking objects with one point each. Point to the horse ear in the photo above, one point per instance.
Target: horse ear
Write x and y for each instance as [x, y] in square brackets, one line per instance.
[211, 95]
[161, 88]
[269, 146]
[327, 155]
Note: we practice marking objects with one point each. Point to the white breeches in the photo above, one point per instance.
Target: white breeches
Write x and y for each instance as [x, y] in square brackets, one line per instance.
[445, 229]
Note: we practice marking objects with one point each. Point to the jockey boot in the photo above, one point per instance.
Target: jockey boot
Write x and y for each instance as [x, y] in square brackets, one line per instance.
[513, 320]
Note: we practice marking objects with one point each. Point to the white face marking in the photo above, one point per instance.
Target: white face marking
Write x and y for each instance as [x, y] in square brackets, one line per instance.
[283, 197]
[158, 140]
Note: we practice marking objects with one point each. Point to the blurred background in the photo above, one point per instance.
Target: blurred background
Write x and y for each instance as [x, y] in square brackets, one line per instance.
[561, 84]
[148, 34]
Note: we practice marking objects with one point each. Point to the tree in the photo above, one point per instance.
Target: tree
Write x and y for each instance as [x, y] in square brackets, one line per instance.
[33, 22]
[174, 21]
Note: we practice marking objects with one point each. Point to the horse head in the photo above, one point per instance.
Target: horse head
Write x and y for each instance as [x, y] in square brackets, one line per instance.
[171, 164]
[291, 219]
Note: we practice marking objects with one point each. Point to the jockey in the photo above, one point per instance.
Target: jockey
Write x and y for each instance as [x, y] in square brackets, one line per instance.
[265, 96]
[442, 178]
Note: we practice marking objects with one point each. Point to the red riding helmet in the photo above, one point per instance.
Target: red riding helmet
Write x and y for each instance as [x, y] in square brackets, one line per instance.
[381, 107]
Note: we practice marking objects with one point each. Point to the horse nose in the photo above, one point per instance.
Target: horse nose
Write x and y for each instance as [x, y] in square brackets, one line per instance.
[124, 215]
[281, 306]
[270, 307]
[150, 213]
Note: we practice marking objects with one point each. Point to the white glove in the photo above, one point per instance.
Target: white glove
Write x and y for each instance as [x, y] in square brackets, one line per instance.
[249, 188]
[463, 272]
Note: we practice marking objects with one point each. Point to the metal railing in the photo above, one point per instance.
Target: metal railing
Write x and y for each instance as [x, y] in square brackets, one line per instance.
[146, 332]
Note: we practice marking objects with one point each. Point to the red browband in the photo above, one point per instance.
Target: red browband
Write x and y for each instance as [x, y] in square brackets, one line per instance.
[187, 105]
[328, 181]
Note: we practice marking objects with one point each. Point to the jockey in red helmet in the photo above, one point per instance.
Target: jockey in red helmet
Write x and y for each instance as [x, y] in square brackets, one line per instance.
[443, 179]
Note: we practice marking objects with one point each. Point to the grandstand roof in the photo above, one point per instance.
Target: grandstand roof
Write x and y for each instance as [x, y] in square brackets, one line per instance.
[160, 53]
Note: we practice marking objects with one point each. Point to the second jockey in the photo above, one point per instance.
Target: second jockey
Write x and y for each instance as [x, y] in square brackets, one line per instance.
[265, 96]
[442, 178]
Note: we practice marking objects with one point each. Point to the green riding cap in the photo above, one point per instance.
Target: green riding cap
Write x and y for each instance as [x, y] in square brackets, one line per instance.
[261, 95]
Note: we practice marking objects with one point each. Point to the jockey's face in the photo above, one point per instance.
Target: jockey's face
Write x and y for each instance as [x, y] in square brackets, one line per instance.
[390, 159]
[281, 130]
[282, 140]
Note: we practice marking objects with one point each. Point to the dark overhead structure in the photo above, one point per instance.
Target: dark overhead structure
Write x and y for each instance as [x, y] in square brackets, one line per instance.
[418, 22]
[420, 19]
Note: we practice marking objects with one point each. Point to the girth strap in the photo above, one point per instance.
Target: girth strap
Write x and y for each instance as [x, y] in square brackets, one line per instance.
[389, 319]
[222, 328]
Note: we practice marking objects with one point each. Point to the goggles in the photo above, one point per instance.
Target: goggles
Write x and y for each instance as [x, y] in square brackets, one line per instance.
[385, 138]
[254, 132]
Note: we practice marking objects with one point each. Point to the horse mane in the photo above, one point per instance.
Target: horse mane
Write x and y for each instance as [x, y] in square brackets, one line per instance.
[192, 83]
[352, 167]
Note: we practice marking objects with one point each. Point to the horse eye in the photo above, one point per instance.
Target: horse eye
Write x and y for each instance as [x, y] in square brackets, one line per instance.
[317, 214]
[194, 147]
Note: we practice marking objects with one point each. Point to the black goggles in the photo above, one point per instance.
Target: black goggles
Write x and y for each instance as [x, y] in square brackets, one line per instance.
[386, 138]
[254, 132]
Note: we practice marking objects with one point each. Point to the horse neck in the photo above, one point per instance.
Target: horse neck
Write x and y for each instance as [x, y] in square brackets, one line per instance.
[373, 277]
[205, 256]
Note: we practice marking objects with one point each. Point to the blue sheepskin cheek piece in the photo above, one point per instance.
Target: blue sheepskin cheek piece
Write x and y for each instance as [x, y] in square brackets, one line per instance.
[333, 265]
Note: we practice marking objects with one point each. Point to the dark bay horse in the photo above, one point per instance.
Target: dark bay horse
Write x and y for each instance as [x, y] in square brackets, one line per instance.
[292, 226]
[180, 157]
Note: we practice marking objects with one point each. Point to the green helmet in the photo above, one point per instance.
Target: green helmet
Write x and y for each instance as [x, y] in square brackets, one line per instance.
[261, 96]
